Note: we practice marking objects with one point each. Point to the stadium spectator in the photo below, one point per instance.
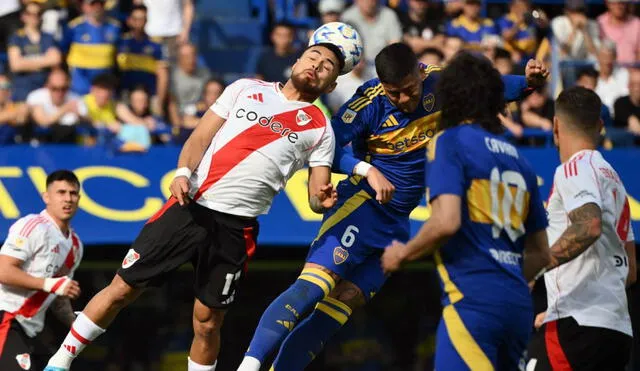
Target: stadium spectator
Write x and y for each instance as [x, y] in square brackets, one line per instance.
[141, 60]
[518, 31]
[613, 80]
[588, 79]
[577, 35]
[101, 108]
[330, 10]
[137, 121]
[431, 56]
[274, 64]
[378, 26]
[193, 112]
[452, 45]
[90, 41]
[621, 26]
[187, 81]
[503, 61]
[9, 20]
[170, 23]
[536, 110]
[422, 28]
[347, 86]
[470, 26]
[11, 115]
[31, 53]
[627, 109]
[55, 110]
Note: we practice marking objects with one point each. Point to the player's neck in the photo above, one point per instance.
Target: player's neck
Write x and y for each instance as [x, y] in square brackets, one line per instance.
[62, 224]
[567, 150]
[291, 93]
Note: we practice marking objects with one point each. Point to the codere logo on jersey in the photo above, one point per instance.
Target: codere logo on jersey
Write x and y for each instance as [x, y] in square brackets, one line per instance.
[271, 124]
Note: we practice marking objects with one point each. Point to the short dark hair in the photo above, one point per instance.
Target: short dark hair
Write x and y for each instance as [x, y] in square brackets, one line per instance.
[138, 7]
[65, 175]
[502, 54]
[471, 89]
[580, 107]
[105, 81]
[432, 51]
[395, 62]
[587, 71]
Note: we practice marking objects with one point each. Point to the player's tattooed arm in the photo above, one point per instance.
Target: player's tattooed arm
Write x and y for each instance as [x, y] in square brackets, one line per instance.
[585, 229]
[62, 309]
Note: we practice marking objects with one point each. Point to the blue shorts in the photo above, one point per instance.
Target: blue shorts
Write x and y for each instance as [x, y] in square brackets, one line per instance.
[353, 235]
[482, 338]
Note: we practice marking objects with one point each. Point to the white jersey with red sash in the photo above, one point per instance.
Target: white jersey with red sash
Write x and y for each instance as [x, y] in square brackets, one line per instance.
[46, 252]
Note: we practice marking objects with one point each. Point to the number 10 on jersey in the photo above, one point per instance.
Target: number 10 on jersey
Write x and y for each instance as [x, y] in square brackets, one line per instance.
[502, 201]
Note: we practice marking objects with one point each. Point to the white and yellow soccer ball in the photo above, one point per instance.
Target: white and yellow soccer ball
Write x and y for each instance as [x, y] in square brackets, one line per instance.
[345, 37]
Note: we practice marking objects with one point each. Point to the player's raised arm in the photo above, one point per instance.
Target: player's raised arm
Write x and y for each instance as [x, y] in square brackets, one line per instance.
[198, 142]
[518, 87]
[349, 124]
[192, 152]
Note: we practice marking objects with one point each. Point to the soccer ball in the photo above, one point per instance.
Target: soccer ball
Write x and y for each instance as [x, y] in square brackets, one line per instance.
[344, 37]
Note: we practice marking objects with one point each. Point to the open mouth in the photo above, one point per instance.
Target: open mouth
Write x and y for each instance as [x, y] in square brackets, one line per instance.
[311, 74]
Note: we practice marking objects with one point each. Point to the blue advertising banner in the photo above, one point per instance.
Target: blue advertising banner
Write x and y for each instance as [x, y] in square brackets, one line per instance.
[121, 191]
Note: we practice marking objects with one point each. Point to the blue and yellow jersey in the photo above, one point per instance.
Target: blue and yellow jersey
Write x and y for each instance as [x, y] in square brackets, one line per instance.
[26, 82]
[138, 61]
[482, 262]
[524, 40]
[91, 50]
[471, 31]
[389, 139]
[394, 141]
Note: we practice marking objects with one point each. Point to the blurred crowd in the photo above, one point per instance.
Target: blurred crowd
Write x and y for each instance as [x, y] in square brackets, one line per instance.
[124, 73]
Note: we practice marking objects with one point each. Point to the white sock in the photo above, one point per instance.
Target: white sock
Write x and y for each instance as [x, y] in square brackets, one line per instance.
[198, 367]
[249, 364]
[82, 333]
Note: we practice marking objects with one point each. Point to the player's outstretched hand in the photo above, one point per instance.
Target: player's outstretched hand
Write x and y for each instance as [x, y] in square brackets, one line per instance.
[392, 257]
[327, 196]
[180, 189]
[384, 189]
[536, 73]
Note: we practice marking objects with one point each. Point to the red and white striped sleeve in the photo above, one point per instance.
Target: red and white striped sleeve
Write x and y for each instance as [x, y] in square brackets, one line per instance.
[577, 183]
[227, 100]
[25, 236]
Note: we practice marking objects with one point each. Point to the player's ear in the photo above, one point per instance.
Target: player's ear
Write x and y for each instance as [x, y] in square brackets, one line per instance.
[45, 197]
[556, 123]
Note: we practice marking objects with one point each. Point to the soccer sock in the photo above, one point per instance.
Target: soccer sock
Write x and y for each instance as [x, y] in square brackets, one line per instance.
[283, 313]
[192, 366]
[307, 339]
[83, 332]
